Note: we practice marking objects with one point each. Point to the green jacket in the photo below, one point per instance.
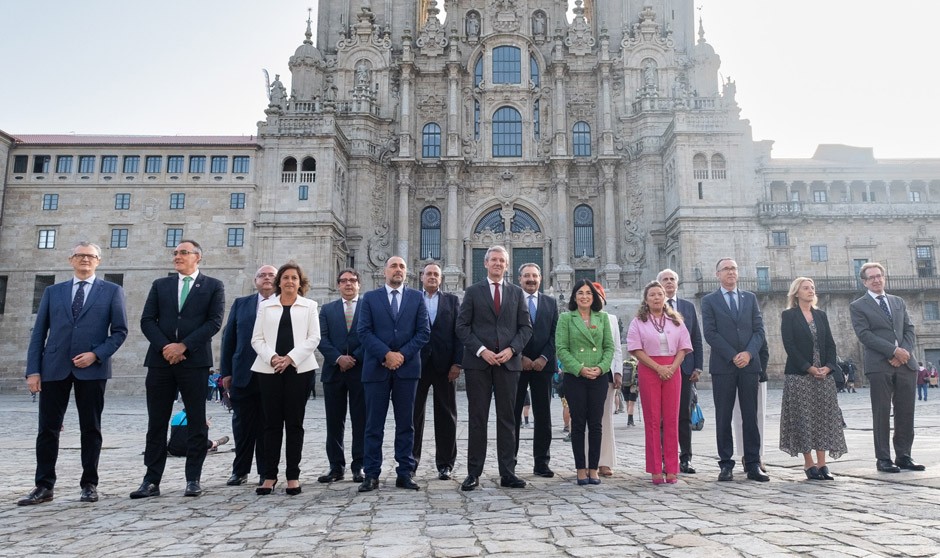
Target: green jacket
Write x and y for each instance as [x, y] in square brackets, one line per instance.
[578, 347]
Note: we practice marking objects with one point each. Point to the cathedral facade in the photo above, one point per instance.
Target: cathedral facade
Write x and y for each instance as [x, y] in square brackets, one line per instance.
[603, 147]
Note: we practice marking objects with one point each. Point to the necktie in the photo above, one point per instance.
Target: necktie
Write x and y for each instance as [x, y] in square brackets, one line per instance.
[79, 300]
[532, 309]
[185, 291]
[671, 305]
[349, 314]
[395, 303]
[496, 297]
[734, 305]
[881, 301]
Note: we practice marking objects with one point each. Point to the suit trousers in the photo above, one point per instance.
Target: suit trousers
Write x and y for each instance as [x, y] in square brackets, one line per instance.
[162, 385]
[284, 400]
[401, 391]
[660, 417]
[586, 405]
[725, 388]
[685, 420]
[539, 383]
[53, 402]
[341, 395]
[761, 418]
[247, 428]
[445, 417]
[608, 456]
[482, 386]
[895, 387]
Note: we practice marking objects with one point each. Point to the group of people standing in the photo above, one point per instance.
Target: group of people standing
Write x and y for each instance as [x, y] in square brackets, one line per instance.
[395, 344]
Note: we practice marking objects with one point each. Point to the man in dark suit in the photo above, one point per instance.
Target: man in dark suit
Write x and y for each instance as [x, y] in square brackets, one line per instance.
[393, 327]
[691, 366]
[493, 325]
[80, 324]
[440, 367]
[240, 382]
[182, 313]
[884, 327]
[342, 378]
[734, 329]
[538, 366]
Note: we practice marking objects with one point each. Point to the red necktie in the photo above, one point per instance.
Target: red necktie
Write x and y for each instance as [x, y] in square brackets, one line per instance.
[496, 297]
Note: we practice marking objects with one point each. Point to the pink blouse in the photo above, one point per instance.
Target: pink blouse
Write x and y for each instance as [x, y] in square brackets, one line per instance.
[643, 335]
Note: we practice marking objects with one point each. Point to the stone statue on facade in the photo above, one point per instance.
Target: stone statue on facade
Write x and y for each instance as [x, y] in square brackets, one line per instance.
[278, 93]
[362, 74]
[473, 25]
[538, 24]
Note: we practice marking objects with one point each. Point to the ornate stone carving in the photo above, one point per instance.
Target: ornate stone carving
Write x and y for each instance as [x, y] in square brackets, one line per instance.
[505, 18]
[432, 106]
[580, 41]
[581, 106]
[432, 38]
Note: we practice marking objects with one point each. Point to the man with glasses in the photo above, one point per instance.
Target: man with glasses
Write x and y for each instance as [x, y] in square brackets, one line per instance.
[239, 381]
[80, 324]
[734, 329]
[884, 327]
[182, 313]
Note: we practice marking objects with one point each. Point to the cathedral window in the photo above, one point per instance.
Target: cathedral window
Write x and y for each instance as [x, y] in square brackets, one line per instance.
[536, 120]
[131, 164]
[219, 164]
[430, 233]
[20, 163]
[86, 164]
[507, 64]
[109, 164]
[478, 72]
[174, 164]
[41, 164]
[507, 133]
[533, 71]
[581, 139]
[308, 170]
[700, 167]
[431, 141]
[63, 164]
[583, 232]
[718, 167]
[197, 164]
[476, 120]
[153, 163]
[240, 164]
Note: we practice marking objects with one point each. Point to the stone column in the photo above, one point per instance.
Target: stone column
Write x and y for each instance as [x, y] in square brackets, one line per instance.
[404, 194]
[452, 271]
[611, 271]
[563, 273]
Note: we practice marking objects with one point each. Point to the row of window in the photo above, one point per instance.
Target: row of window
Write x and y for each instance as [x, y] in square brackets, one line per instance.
[822, 196]
[50, 202]
[507, 134]
[923, 255]
[153, 164]
[235, 237]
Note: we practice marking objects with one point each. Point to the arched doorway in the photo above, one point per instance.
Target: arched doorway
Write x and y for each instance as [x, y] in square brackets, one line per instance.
[524, 240]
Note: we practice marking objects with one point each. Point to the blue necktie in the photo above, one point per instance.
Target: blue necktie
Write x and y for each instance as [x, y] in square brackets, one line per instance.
[532, 309]
[734, 305]
[881, 301]
[395, 303]
[79, 300]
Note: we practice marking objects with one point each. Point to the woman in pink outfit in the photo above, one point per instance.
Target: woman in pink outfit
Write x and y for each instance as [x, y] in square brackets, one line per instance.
[659, 341]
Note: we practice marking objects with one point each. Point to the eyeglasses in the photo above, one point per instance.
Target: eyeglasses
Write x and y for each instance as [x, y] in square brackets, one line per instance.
[91, 257]
[728, 268]
[183, 252]
[263, 275]
[348, 280]
[870, 277]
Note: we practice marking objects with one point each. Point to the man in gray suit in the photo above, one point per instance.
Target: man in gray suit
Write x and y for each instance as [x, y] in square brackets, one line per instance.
[884, 327]
[493, 325]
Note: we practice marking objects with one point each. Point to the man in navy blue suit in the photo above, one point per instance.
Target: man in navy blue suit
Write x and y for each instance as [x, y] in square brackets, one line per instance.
[80, 324]
[342, 378]
[691, 366]
[393, 327]
[734, 329]
[240, 382]
[182, 313]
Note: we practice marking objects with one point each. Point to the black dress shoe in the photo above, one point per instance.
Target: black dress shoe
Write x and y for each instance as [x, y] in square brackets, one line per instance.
[332, 476]
[236, 480]
[89, 493]
[193, 489]
[909, 464]
[293, 491]
[813, 473]
[146, 490]
[544, 472]
[726, 474]
[38, 495]
[756, 474]
[886, 466]
[511, 481]
[358, 476]
[825, 474]
[445, 473]
[406, 482]
[265, 490]
[470, 483]
[369, 484]
[686, 468]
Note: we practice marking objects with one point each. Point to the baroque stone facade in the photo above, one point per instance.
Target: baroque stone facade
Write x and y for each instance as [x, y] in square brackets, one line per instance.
[604, 147]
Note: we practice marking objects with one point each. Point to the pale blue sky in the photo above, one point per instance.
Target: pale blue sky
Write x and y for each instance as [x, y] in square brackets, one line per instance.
[860, 72]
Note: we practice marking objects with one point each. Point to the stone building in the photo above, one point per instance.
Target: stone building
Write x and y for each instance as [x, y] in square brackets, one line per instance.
[603, 147]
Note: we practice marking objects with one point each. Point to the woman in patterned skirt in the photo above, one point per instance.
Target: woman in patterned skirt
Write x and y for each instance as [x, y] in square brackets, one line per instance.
[810, 417]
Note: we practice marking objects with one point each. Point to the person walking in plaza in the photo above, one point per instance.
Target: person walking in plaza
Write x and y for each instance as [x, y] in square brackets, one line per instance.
[393, 327]
[585, 348]
[810, 417]
[493, 325]
[182, 314]
[285, 337]
[342, 379]
[79, 326]
[241, 383]
[659, 341]
[608, 457]
[883, 326]
[923, 381]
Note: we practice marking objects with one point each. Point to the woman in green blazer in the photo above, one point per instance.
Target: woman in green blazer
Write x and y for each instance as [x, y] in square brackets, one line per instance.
[585, 348]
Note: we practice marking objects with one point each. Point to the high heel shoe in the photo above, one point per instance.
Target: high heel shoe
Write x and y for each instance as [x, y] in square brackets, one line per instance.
[584, 482]
[825, 474]
[265, 490]
[293, 491]
[813, 473]
[592, 480]
[672, 479]
[658, 479]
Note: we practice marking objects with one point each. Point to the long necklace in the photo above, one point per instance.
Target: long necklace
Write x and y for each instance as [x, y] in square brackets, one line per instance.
[659, 326]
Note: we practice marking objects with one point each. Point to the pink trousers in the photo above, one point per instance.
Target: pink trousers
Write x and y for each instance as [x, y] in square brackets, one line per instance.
[660, 401]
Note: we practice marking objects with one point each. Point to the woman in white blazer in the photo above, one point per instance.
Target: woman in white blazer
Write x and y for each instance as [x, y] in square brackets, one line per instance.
[286, 334]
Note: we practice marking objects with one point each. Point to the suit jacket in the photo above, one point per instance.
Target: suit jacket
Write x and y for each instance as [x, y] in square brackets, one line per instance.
[306, 333]
[237, 354]
[695, 359]
[579, 346]
[881, 335]
[542, 342]
[101, 327]
[443, 350]
[163, 322]
[478, 325]
[727, 337]
[336, 340]
[798, 340]
[380, 333]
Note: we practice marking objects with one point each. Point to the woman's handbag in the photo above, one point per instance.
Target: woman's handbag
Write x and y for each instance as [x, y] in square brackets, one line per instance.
[696, 417]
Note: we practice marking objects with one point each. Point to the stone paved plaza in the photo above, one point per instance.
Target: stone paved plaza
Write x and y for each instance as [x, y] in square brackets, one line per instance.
[862, 513]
